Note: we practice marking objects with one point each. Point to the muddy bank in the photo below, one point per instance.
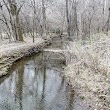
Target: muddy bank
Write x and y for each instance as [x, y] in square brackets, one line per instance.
[9, 53]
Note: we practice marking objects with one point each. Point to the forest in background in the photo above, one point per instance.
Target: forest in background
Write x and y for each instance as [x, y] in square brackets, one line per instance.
[79, 18]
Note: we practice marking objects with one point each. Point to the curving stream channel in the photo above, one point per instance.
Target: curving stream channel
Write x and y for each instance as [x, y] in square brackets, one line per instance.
[35, 83]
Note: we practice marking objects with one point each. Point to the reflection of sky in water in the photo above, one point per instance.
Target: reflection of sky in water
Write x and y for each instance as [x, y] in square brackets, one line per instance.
[33, 87]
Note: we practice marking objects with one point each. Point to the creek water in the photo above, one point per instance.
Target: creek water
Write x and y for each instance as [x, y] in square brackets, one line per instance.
[36, 83]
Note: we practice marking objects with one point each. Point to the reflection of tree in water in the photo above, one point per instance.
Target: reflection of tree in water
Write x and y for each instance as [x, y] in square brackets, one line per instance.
[19, 86]
[59, 91]
[38, 86]
[42, 106]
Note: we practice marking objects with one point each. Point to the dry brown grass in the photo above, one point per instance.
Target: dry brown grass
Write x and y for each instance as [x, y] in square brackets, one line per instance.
[89, 71]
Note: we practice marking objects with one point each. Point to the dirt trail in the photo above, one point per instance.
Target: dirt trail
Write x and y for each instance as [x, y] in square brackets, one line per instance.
[12, 52]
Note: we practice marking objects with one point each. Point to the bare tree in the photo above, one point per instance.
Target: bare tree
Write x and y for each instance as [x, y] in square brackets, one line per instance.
[14, 18]
[74, 22]
[16, 26]
[68, 20]
[5, 21]
[44, 18]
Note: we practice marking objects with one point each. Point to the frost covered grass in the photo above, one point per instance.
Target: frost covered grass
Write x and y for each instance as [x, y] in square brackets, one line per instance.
[10, 52]
[8, 49]
[89, 71]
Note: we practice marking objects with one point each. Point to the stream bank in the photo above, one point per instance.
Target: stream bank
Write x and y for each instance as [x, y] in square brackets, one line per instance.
[89, 71]
[38, 83]
[9, 53]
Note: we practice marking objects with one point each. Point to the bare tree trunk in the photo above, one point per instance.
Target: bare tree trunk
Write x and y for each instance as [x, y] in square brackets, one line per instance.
[44, 19]
[34, 17]
[75, 25]
[68, 21]
[16, 27]
[103, 15]
[19, 29]
[108, 21]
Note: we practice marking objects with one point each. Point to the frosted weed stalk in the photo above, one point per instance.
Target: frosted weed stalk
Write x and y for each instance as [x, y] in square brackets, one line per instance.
[89, 70]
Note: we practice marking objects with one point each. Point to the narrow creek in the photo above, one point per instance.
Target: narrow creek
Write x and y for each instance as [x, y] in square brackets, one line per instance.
[34, 83]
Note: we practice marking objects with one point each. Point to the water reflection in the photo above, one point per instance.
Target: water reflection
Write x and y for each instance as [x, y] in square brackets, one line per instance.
[34, 84]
